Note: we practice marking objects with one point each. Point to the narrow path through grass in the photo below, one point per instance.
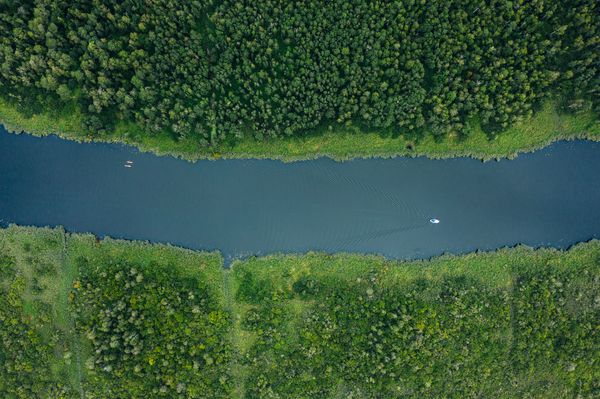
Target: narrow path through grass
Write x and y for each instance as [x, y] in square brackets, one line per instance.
[68, 275]
[236, 338]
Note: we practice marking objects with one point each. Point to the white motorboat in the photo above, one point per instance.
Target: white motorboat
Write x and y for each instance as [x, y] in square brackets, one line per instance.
[434, 221]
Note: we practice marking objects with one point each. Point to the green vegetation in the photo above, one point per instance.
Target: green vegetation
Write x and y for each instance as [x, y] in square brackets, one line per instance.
[110, 319]
[154, 323]
[508, 324]
[293, 80]
[118, 319]
[542, 129]
[36, 347]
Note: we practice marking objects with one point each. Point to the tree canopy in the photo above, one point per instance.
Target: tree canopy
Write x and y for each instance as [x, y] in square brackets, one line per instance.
[218, 70]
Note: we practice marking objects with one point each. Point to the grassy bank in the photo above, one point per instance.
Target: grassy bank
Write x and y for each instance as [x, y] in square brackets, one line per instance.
[82, 317]
[547, 126]
[512, 323]
[37, 345]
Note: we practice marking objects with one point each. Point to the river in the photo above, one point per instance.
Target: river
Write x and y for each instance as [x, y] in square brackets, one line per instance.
[255, 207]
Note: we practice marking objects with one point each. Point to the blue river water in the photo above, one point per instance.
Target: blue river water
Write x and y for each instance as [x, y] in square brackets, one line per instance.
[255, 207]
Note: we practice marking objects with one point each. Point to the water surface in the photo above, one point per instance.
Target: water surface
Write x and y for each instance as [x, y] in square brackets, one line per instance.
[255, 207]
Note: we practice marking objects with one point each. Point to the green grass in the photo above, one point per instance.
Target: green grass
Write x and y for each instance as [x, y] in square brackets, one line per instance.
[205, 266]
[343, 143]
[175, 308]
[518, 322]
[47, 297]
[45, 294]
[510, 323]
[339, 142]
[66, 121]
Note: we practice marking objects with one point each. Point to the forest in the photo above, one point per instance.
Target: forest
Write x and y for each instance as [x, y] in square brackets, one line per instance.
[214, 72]
[82, 317]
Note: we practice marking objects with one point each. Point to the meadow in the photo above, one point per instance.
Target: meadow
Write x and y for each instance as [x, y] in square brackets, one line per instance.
[110, 318]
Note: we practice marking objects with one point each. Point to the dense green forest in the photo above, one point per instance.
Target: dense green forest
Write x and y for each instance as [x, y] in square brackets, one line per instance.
[81, 317]
[218, 71]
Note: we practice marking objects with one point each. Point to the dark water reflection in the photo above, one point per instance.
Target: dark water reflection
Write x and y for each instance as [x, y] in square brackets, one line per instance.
[242, 207]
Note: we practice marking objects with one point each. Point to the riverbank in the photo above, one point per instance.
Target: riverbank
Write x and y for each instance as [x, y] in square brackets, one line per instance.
[510, 323]
[343, 143]
[259, 207]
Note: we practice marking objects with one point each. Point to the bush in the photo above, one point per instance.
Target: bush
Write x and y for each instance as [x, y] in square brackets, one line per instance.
[25, 371]
[152, 331]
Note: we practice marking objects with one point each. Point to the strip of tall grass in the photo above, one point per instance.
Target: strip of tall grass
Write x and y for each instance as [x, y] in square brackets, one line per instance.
[337, 142]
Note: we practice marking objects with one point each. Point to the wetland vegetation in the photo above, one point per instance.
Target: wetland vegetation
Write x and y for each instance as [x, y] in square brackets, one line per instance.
[114, 318]
[82, 317]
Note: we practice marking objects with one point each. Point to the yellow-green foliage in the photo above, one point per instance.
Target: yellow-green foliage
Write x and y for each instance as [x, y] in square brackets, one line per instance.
[35, 349]
[339, 142]
[513, 323]
[65, 334]
[153, 320]
[112, 318]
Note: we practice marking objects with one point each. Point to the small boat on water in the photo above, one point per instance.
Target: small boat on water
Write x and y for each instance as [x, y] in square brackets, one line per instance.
[129, 162]
[434, 221]
[127, 165]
